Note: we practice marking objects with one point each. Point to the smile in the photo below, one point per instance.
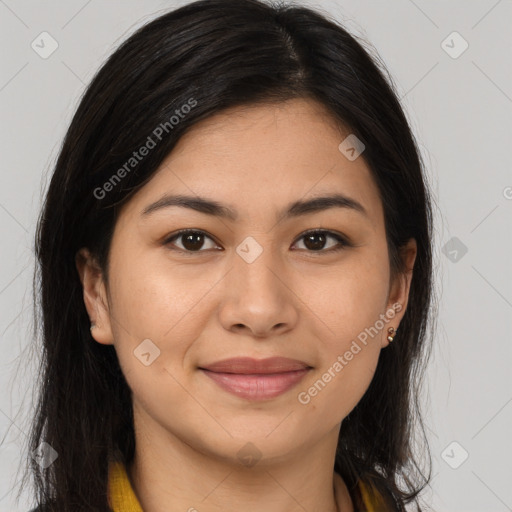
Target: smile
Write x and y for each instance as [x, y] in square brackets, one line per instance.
[257, 386]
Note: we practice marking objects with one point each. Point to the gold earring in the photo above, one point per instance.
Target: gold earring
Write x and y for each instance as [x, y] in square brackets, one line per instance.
[390, 334]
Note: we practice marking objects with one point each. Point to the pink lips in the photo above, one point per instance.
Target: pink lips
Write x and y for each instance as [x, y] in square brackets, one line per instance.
[256, 379]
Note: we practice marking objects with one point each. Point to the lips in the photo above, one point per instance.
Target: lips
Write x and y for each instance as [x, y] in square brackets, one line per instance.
[256, 379]
[247, 365]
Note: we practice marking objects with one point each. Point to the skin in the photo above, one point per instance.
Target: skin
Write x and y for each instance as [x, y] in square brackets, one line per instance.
[204, 306]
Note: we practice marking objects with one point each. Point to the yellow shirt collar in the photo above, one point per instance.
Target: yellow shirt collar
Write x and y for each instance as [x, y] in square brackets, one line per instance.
[122, 498]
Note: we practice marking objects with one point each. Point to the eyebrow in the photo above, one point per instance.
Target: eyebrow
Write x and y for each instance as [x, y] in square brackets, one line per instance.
[295, 209]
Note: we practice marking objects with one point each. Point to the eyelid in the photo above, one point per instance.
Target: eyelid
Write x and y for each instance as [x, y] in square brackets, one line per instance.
[342, 239]
[167, 240]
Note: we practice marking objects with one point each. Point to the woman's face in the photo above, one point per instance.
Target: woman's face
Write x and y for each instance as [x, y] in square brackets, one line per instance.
[250, 284]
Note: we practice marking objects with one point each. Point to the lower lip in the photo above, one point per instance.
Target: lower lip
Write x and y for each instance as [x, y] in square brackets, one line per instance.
[257, 386]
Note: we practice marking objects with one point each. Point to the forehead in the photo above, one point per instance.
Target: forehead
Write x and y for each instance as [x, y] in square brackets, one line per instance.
[258, 158]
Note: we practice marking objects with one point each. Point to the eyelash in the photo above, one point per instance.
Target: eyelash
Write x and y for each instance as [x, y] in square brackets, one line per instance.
[343, 241]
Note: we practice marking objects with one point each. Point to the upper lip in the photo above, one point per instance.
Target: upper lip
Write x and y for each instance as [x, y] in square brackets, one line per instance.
[248, 365]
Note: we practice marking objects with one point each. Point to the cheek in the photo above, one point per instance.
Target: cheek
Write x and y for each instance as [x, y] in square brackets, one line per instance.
[347, 300]
[159, 311]
[348, 310]
[340, 381]
[151, 299]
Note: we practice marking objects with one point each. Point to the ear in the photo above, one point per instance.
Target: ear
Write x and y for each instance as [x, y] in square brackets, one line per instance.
[95, 296]
[400, 287]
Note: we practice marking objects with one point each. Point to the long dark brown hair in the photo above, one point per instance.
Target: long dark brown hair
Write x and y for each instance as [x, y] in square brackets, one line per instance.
[213, 55]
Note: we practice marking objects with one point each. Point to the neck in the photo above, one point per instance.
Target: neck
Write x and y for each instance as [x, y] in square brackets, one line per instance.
[169, 473]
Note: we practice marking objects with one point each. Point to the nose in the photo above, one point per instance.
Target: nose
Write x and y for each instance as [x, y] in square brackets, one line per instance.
[258, 300]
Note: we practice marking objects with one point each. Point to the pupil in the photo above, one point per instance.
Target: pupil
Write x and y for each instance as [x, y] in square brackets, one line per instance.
[313, 242]
[193, 241]
[310, 243]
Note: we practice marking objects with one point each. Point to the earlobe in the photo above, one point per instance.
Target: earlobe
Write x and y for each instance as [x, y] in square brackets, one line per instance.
[95, 296]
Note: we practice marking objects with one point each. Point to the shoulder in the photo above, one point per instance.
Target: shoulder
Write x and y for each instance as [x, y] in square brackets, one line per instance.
[371, 500]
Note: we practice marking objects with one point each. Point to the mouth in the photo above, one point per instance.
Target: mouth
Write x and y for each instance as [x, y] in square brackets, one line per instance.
[254, 379]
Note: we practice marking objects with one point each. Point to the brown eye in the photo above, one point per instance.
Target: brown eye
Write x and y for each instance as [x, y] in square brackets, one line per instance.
[191, 240]
[316, 241]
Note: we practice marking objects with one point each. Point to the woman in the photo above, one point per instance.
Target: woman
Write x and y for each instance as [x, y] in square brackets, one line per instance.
[235, 275]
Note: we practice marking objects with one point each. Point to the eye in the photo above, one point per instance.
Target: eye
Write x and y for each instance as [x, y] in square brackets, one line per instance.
[315, 241]
[193, 240]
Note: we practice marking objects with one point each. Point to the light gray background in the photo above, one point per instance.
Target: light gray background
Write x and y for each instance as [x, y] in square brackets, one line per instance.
[460, 109]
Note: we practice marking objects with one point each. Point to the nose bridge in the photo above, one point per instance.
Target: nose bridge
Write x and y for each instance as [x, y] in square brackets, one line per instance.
[257, 297]
[256, 266]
